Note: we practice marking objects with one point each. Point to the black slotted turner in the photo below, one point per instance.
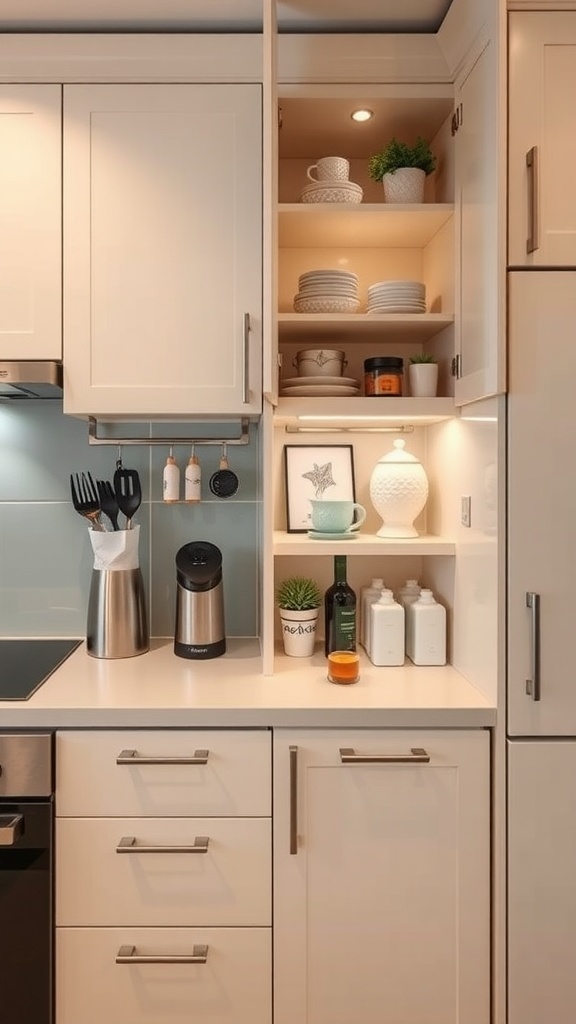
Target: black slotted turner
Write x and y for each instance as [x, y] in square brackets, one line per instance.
[128, 493]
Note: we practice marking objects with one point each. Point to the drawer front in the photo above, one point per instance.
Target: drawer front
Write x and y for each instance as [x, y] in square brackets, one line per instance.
[233, 986]
[233, 778]
[228, 884]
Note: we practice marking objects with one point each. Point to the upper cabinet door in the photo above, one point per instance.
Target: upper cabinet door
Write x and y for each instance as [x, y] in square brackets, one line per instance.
[542, 139]
[479, 345]
[163, 250]
[30, 222]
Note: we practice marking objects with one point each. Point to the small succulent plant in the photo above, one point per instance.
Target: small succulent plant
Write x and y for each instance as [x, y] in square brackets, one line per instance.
[423, 357]
[298, 593]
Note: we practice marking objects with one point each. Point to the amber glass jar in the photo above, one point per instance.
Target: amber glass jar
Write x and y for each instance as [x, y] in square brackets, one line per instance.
[383, 375]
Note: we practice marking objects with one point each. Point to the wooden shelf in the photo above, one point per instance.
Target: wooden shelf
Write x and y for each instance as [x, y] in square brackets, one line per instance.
[351, 412]
[396, 327]
[312, 225]
[363, 544]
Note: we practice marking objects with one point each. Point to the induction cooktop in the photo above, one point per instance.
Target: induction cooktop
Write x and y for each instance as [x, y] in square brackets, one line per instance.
[26, 664]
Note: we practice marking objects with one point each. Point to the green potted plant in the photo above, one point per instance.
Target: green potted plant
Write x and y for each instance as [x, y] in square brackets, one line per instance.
[299, 600]
[402, 169]
[423, 375]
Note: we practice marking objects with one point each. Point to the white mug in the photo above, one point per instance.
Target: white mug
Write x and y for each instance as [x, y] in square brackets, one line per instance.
[330, 168]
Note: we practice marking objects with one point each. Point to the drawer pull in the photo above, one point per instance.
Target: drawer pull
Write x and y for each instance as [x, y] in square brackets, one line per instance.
[133, 757]
[11, 828]
[417, 755]
[129, 844]
[128, 955]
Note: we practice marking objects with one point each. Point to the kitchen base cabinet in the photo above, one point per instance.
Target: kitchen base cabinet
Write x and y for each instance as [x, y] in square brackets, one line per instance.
[233, 986]
[381, 878]
[541, 881]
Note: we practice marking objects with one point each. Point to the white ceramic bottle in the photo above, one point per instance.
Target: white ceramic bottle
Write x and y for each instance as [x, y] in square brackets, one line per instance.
[192, 480]
[368, 595]
[171, 480]
[426, 630]
[386, 631]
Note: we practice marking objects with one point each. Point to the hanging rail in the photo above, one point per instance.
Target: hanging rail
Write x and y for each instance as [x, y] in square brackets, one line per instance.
[242, 438]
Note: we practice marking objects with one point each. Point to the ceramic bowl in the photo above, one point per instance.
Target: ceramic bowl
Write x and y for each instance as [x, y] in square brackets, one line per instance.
[320, 362]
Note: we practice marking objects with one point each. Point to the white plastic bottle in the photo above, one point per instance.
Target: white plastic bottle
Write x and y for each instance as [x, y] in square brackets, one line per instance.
[426, 630]
[367, 596]
[409, 592]
[192, 480]
[171, 480]
[386, 631]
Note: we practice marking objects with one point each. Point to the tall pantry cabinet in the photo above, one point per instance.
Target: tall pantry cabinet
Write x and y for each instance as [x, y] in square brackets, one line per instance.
[541, 702]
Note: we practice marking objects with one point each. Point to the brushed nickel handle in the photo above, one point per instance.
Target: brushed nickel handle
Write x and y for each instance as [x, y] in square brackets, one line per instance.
[293, 799]
[133, 757]
[417, 756]
[246, 360]
[129, 844]
[533, 684]
[11, 828]
[533, 167]
[128, 955]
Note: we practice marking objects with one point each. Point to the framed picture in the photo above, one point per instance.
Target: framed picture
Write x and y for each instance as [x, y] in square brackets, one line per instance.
[316, 471]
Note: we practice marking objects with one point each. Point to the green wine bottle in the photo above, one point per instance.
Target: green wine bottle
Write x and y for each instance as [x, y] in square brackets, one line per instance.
[340, 611]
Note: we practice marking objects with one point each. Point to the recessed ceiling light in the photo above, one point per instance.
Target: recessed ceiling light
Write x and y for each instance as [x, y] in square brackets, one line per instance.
[364, 114]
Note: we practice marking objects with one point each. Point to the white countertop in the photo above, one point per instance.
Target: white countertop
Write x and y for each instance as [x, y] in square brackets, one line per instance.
[158, 689]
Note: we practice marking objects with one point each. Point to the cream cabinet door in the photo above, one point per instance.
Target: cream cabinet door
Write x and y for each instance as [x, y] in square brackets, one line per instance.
[542, 139]
[381, 877]
[479, 340]
[30, 222]
[162, 250]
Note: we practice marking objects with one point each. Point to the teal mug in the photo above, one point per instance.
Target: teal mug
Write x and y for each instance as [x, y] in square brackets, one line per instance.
[336, 516]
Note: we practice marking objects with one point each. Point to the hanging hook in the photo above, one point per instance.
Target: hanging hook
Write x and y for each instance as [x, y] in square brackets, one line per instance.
[119, 459]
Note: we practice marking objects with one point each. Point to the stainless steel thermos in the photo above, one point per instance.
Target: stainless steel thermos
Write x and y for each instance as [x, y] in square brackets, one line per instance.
[199, 631]
[117, 622]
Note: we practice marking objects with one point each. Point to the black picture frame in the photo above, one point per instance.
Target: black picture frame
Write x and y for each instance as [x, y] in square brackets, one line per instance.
[314, 470]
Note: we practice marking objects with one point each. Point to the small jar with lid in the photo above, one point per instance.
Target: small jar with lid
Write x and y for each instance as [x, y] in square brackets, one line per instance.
[383, 376]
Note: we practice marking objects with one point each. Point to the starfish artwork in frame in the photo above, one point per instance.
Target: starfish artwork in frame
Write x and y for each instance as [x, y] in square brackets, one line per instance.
[315, 472]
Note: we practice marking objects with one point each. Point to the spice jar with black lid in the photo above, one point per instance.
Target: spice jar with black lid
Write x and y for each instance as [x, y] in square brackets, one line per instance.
[383, 376]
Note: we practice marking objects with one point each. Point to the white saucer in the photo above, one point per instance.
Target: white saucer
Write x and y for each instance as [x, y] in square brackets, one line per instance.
[313, 380]
[316, 535]
[317, 390]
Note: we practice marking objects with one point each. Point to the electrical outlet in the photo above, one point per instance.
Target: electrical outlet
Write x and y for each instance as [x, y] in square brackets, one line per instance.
[466, 510]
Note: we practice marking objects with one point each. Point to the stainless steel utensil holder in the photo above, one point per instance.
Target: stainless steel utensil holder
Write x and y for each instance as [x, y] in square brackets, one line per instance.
[117, 625]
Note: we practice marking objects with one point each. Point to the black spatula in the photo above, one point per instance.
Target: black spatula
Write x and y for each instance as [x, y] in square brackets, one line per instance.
[128, 493]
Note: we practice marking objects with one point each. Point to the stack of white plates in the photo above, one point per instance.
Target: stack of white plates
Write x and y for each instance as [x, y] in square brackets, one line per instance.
[313, 387]
[327, 291]
[397, 297]
[332, 191]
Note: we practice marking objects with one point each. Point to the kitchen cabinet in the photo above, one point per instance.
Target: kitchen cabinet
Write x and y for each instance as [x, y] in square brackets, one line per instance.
[480, 355]
[542, 139]
[163, 250]
[541, 503]
[541, 881]
[163, 876]
[30, 222]
[381, 876]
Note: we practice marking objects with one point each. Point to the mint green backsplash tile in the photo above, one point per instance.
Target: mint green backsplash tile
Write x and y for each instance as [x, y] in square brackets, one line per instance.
[230, 526]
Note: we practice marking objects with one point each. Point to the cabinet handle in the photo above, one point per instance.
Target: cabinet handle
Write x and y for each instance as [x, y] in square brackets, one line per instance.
[129, 844]
[133, 757]
[533, 684]
[533, 240]
[11, 828]
[293, 799]
[128, 955]
[246, 360]
[417, 756]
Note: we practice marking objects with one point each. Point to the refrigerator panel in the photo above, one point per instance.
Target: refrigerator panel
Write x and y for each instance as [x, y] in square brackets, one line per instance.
[542, 504]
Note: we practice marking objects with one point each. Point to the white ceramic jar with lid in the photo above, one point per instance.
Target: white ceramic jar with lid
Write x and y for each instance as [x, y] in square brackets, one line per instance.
[398, 491]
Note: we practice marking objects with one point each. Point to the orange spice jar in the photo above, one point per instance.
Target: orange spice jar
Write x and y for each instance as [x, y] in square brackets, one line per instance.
[383, 376]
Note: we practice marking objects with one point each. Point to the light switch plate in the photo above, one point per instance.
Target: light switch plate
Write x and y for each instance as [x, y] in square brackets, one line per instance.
[466, 510]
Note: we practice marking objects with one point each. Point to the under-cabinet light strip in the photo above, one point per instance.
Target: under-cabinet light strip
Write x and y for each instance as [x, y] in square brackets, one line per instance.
[401, 429]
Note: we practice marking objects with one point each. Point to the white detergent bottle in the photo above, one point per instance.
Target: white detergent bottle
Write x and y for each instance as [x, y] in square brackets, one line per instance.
[409, 592]
[386, 631]
[367, 596]
[426, 630]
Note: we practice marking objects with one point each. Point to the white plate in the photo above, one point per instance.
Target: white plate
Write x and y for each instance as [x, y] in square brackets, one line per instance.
[310, 290]
[397, 284]
[316, 390]
[315, 379]
[394, 309]
[311, 276]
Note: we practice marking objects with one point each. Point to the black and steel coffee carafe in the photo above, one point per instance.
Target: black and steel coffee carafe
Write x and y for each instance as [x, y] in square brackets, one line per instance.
[199, 629]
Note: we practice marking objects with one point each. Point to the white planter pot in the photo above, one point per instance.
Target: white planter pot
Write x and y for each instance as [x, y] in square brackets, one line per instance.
[398, 491]
[299, 631]
[423, 379]
[406, 185]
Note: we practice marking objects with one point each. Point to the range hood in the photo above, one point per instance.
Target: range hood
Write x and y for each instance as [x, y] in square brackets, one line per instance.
[26, 379]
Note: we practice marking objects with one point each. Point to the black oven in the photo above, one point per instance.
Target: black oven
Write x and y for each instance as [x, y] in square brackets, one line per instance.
[26, 878]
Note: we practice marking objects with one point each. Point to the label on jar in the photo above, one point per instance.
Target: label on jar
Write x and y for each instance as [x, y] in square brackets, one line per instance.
[377, 382]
